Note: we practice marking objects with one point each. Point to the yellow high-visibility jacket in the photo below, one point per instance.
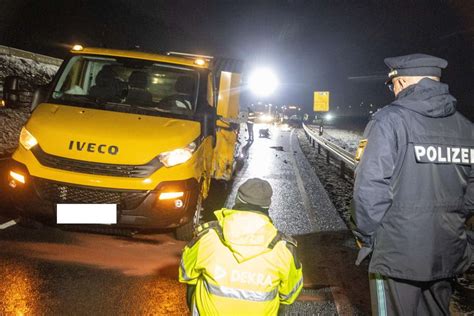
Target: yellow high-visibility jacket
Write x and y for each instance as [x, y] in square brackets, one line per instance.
[241, 265]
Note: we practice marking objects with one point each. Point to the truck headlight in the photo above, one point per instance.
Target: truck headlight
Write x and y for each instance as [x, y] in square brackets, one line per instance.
[177, 156]
[27, 140]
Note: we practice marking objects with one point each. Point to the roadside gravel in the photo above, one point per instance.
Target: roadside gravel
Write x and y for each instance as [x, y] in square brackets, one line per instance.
[338, 189]
[11, 121]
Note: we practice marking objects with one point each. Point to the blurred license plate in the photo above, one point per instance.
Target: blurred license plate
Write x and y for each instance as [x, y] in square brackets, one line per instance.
[86, 214]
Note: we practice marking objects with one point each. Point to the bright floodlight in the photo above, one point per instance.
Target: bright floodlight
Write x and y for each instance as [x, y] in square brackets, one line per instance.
[263, 82]
[328, 117]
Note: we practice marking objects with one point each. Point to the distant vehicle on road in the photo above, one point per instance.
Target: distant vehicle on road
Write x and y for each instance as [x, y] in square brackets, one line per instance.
[291, 115]
[264, 113]
[294, 120]
[141, 131]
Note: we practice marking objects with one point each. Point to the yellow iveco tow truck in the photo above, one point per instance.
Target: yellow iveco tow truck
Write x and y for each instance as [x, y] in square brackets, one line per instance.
[145, 132]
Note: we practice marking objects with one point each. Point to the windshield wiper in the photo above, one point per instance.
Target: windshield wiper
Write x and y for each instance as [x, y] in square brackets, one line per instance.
[97, 103]
[133, 106]
[80, 99]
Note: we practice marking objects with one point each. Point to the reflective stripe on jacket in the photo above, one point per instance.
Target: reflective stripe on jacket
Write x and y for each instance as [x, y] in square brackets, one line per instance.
[241, 265]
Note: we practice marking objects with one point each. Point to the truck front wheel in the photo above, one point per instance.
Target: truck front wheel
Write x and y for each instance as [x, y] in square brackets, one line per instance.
[186, 232]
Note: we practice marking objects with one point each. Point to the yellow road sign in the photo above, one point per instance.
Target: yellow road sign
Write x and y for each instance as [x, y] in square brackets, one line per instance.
[321, 101]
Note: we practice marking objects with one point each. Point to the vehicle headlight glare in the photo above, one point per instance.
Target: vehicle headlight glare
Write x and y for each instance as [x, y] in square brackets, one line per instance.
[17, 177]
[263, 82]
[27, 140]
[177, 156]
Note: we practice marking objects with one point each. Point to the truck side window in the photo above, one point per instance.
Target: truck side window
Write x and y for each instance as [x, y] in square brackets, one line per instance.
[73, 82]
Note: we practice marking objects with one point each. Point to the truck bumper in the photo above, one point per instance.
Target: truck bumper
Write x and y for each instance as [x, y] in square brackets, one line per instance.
[37, 198]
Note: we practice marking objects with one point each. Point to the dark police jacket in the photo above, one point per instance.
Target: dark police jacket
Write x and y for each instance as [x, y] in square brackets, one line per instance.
[414, 186]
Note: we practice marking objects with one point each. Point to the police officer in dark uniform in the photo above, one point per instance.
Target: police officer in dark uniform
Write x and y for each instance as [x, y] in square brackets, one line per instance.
[413, 191]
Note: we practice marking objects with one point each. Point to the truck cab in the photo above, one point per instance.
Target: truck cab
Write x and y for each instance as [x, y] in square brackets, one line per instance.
[145, 132]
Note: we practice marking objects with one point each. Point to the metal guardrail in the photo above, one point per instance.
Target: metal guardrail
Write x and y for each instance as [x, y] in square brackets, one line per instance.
[346, 160]
[5, 50]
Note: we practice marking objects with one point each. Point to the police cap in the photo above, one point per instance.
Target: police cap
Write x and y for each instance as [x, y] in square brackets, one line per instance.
[414, 65]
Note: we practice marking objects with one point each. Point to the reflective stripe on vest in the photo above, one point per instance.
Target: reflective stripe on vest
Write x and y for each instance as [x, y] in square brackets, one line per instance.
[183, 270]
[240, 294]
[292, 292]
[194, 308]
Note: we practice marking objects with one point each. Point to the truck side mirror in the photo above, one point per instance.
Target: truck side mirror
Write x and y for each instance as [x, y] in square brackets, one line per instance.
[11, 92]
[39, 96]
[208, 120]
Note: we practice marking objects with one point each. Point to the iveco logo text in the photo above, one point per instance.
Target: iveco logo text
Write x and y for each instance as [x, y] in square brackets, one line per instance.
[93, 147]
[444, 154]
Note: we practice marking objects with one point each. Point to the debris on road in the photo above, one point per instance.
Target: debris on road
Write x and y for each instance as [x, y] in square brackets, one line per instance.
[278, 148]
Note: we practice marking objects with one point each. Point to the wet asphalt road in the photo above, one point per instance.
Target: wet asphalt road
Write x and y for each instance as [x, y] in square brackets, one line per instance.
[54, 272]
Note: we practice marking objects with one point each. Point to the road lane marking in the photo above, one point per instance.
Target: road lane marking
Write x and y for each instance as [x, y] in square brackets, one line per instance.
[339, 297]
[299, 181]
[7, 224]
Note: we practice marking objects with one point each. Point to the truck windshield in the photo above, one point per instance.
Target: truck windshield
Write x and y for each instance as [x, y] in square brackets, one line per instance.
[126, 84]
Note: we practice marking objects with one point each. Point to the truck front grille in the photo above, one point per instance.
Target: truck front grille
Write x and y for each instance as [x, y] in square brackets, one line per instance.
[65, 193]
[81, 166]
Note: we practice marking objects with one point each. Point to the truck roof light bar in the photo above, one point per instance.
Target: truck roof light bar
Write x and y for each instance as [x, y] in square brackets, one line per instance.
[77, 47]
[190, 56]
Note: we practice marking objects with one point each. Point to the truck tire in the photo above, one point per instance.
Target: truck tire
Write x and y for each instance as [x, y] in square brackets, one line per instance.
[186, 232]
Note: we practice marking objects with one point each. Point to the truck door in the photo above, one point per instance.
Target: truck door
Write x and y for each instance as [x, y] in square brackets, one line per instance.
[228, 99]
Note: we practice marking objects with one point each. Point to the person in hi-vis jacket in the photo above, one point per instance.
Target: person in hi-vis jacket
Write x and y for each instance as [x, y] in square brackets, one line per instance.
[241, 264]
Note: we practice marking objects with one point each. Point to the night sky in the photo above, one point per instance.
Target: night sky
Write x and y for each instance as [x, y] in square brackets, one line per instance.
[337, 46]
